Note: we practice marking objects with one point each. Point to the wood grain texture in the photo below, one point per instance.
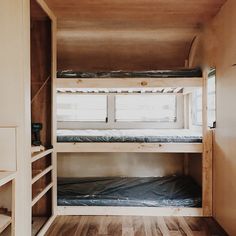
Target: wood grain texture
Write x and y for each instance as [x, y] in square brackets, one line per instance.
[40, 71]
[128, 35]
[221, 54]
[130, 226]
[41, 108]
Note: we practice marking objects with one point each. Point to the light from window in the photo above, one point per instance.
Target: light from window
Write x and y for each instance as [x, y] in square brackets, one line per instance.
[145, 108]
[75, 107]
[197, 107]
[211, 98]
[211, 102]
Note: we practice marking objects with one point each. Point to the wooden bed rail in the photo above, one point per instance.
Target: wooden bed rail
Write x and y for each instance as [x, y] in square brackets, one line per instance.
[129, 83]
[130, 147]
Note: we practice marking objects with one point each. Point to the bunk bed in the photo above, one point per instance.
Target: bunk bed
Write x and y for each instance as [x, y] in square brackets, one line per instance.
[183, 141]
[71, 198]
[130, 140]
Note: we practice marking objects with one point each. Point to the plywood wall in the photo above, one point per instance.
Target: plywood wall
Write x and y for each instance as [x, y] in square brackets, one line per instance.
[15, 99]
[40, 73]
[219, 49]
[119, 164]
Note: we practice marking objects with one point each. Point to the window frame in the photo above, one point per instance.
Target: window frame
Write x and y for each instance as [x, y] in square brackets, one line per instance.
[212, 74]
[194, 111]
[89, 121]
[112, 124]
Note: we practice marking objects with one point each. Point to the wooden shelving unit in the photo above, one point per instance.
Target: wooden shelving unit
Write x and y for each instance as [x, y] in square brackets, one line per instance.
[37, 224]
[6, 176]
[41, 194]
[38, 155]
[43, 70]
[6, 220]
[41, 174]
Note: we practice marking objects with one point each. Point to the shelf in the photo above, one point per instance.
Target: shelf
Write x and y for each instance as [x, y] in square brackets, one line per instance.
[40, 195]
[5, 221]
[39, 155]
[41, 174]
[38, 223]
[6, 176]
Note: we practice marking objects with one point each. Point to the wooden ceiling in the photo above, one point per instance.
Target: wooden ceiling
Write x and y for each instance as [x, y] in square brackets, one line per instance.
[101, 35]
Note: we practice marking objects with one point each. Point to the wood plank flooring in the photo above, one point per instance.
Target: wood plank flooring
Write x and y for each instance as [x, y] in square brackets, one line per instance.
[134, 226]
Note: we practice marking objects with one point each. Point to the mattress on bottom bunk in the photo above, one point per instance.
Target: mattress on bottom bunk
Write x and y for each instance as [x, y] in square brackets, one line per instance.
[170, 191]
[130, 136]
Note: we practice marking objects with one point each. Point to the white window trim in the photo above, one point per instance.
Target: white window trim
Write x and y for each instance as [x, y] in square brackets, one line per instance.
[112, 124]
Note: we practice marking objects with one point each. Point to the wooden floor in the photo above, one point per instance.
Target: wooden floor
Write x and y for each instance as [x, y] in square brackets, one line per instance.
[134, 226]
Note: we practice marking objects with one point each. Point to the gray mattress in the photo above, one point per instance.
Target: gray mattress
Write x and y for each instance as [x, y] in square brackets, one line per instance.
[194, 72]
[129, 136]
[169, 191]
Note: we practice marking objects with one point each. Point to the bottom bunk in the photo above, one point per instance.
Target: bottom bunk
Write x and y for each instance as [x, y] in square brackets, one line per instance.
[155, 184]
[179, 194]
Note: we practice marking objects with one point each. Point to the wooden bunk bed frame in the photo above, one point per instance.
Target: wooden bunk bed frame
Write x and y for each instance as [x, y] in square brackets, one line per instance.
[205, 148]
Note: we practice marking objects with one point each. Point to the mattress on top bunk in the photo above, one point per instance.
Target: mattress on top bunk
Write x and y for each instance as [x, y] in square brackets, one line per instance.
[170, 191]
[130, 136]
[195, 72]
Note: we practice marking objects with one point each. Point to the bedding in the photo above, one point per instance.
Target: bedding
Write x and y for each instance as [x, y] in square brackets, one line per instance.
[130, 136]
[195, 72]
[169, 191]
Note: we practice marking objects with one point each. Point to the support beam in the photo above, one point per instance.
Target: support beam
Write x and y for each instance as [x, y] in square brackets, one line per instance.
[129, 82]
[207, 158]
[130, 147]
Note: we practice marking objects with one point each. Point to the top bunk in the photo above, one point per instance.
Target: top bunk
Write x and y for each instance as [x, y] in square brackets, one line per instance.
[191, 77]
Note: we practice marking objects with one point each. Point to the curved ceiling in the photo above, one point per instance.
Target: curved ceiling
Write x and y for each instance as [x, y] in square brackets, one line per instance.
[101, 35]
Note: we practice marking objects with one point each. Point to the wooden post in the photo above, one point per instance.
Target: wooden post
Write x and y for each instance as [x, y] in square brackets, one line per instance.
[207, 153]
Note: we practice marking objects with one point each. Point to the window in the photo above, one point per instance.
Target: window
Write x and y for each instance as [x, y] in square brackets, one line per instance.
[119, 111]
[197, 107]
[83, 108]
[145, 108]
[211, 102]
[212, 98]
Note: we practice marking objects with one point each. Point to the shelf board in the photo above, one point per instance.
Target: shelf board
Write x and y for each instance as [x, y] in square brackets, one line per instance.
[41, 174]
[41, 194]
[38, 223]
[5, 221]
[36, 156]
[6, 176]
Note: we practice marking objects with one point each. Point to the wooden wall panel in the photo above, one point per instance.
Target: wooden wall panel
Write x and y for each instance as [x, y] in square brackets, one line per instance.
[219, 50]
[8, 160]
[41, 98]
[40, 72]
[119, 164]
[106, 35]
[15, 99]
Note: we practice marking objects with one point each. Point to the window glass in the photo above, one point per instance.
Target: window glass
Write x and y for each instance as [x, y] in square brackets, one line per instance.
[212, 98]
[211, 102]
[197, 107]
[145, 108]
[75, 107]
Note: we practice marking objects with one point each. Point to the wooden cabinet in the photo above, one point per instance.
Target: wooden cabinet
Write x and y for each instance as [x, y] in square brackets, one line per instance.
[8, 149]
[7, 199]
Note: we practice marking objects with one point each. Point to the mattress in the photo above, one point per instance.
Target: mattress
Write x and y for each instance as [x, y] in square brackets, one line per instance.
[196, 72]
[170, 191]
[130, 136]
